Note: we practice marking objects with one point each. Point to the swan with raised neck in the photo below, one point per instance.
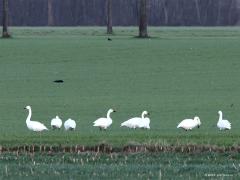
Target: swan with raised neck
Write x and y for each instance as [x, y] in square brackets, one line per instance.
[34, 125]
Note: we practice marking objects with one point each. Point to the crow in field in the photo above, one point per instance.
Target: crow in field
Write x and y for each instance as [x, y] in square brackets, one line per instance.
[109, 39]
[58, 81]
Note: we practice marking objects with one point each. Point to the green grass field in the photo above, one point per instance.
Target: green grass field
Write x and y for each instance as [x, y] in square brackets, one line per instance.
[120, 166]
[176, 74]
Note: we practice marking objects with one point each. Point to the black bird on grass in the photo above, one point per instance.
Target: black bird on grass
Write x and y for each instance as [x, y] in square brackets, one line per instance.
[58, 81]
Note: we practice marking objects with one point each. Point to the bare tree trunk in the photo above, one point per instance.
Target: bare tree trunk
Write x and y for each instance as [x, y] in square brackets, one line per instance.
[50, 13]
[230, 12]
[238, 12]
[165, 10]
[219, 13]
[198, 11]
[143, 18]
[5, 33]
[109, 17]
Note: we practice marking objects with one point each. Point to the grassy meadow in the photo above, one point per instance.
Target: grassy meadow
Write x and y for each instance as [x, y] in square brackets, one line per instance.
[120, 166]
[176, 74]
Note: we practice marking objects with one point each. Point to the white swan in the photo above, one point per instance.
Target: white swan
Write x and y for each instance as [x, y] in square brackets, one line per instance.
[56, 123]
[145, 121]
[138, 122]
[34, 125]
[69, 124]
[104, 123]
[223, 124]
[189, 124]
[131, 123]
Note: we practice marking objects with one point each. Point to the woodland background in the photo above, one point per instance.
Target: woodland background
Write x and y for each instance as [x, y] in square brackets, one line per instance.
[125, 12]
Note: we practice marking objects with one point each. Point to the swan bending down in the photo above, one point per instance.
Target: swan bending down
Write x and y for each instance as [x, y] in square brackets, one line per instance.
[69, 124]
[104, 123]
[34, 125]
[138, 122]
[223, 124]
[56, 123]
[189, 124]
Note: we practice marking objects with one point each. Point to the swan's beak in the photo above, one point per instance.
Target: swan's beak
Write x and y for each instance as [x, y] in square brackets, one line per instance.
[114, 111]
[24, 108]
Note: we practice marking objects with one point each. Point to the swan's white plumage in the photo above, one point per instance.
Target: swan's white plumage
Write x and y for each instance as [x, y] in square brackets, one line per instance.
[145, 123]
[56, 123]
[189, 124]
[34, 125]
[223, 124]
[131, 123]
[70, 124]
[138, 122]
[104, 123]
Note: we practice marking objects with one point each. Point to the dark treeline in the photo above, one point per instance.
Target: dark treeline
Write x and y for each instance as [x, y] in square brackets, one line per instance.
[124, 12]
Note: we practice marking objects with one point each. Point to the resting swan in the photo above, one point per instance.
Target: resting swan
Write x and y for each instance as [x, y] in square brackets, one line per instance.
[222, 123]
[56, 123]
[189, 124]
[145, 122]
[104, 123]
[138, 122]
[70, 124]
[34, 125]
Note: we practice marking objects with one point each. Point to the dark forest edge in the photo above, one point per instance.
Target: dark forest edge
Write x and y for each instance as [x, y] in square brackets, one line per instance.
[124, 13]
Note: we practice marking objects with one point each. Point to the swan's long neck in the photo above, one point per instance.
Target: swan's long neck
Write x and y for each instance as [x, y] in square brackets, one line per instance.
[108, 114]
[220, 116]
[143, 114]
[29, 115]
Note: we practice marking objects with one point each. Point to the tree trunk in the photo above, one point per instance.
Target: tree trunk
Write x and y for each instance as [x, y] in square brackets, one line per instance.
[5, 33]
[109, 17]
[143, 18]
[238, 13]
[198, 12]
[165, 10]
[50, 13]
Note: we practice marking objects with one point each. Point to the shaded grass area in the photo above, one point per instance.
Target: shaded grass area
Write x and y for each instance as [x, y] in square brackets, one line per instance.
[119, 165]
[177, 74]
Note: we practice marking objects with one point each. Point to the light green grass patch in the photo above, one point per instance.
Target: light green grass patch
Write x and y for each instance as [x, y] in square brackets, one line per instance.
[177, 74]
